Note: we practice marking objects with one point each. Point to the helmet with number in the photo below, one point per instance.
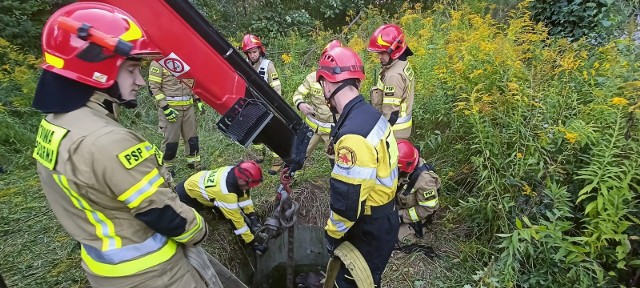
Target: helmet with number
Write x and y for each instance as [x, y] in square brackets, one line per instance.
[388, 38]
[83, 60]
[331, 45]
[340, 64]
[251, 41]
[250, 172]
[408, 156]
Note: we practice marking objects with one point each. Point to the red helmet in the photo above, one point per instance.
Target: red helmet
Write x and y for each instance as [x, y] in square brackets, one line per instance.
[388, 38]
[249, 171]
[408, 156]
[331, 45]
[63, 49]
[339, 64]
[250, 41]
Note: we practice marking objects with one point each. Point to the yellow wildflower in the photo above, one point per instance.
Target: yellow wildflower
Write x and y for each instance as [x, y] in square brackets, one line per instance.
[356, 44]
[571, 137]
[526, 190]
[519, 155]
[619, 101]
[286, 58]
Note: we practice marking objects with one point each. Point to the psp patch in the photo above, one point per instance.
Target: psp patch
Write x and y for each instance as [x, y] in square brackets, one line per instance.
[136, 154]
[346, 158]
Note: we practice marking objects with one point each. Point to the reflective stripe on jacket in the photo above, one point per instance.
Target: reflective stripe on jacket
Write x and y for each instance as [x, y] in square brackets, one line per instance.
[365, 174]
[311, 93]
[210, 189]
[105, 186]
[167, 89]
[270, 74]
[396, 83]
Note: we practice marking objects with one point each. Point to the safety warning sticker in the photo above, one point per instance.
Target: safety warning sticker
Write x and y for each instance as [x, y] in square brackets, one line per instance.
[174, 64]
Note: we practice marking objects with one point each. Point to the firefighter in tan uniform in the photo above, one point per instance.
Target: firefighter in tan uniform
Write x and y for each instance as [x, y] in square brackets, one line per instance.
[417, 191]
[104, 182]
[309, 99]
[395, 88]
[365, 176]
[228, 190]
[256, 55]
[176, 114]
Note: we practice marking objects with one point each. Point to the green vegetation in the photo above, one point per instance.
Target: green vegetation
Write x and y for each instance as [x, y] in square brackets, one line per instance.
[534, 136]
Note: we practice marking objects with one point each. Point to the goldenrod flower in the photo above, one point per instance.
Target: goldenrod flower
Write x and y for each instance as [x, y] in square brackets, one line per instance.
[571, 137]
[619, 101]
[526, 190]
[286, 58]
[356, 44]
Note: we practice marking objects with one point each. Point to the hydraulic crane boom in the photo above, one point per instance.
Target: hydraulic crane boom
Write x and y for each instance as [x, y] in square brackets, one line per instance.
[195, 52]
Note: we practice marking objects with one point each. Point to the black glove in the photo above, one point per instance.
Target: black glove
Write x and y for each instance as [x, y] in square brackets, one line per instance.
[332, 243]
[257, 247]
[417, 228]
[393, 117]
[254, 222]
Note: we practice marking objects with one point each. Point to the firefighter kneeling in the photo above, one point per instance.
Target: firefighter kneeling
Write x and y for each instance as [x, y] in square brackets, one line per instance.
[227, 188]
[417, 190]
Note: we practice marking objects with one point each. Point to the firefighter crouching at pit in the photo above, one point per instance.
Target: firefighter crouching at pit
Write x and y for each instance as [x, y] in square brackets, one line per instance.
[365, 176]
[417, 191]
[104, 182]
[256, 55]
[394, 91]
[309, 99]
[228, 189]
[176, 115]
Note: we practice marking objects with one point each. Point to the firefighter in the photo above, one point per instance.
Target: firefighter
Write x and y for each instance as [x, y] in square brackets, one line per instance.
[417, 191]
[309, 99]
[256, 55]
[104, 182]
[176, 115]
[365, 175]
[228, 189]
[395, 86]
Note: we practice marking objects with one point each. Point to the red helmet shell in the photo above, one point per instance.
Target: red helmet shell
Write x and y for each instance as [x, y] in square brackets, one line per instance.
[250, 172]
[408, 156]
[339, 64]
[61, 48]
[388, 38]
[331, 45]
[251, 41]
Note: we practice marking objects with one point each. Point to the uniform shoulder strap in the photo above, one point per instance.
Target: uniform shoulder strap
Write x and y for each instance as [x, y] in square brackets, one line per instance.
[413, 178]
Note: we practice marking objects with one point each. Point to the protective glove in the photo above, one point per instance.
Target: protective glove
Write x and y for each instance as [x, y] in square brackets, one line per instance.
[393, 118]
[332, 243]
[417, 228]
[199, 105]
[170, 113]
[254, 222]
[257, 247]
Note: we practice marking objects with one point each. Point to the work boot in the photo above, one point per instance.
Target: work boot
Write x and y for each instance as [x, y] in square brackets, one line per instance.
[276, 165]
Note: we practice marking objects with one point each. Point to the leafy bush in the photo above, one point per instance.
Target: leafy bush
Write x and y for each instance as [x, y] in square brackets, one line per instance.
[22, 21]
[575, 19]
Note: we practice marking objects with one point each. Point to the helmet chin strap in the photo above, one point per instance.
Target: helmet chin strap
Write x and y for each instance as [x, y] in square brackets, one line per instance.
[334, 110]
[116, 97]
